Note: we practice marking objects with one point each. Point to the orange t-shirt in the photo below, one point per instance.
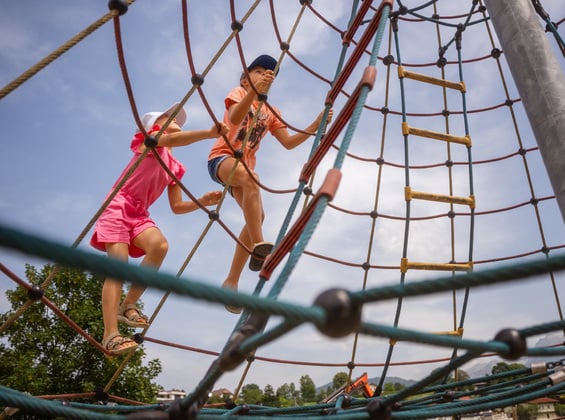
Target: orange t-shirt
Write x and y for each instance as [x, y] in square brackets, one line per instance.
[266, 121]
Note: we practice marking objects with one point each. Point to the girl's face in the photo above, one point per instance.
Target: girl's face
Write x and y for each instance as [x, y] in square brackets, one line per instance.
[255, 74]
[173, 126]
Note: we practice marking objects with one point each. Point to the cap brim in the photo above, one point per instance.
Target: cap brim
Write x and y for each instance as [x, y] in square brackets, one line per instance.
[265, 61]
[180, 116]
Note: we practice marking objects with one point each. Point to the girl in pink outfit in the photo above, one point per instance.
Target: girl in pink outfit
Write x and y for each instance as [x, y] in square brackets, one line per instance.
[125, 228]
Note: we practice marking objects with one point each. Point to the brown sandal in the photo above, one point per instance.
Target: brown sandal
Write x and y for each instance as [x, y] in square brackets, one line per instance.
[260, 251]
[132, 316]
[116, 344]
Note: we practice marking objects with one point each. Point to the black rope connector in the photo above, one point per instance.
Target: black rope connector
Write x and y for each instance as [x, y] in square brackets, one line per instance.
[394, 21]
[101, 395]
[238, 154]
[307, 191]
[35, 293]
[350, 365]
[378, 410]
[544, 250]
[230, 404]
[516, 343]
[388, 59]
[509, 102]
[495, 53]
[403, 10]
[342, 315]
[458, 36]
[366, 266]
[262, 97]
[285, 46]
[213, 215]
[384, 110]
[449, 163]
[441, 62]
[305, 2]
[522, 151]
[380, 161]
[197, 80]
[451, 214]
[445, 113]
[150, 141]
[121, 6]
[534, 201]
[374, 214]
[236, 25]
[138, 338]
[448, 396]
[435, 16]
[232, 356]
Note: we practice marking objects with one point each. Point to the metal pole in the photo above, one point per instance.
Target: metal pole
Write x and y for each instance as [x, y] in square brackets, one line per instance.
[539, 80]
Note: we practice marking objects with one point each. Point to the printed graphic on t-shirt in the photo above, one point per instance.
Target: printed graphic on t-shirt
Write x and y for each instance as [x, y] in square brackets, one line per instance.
[257, 132]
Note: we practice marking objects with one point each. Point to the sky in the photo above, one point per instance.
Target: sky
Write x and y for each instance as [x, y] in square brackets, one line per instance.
[67, 132]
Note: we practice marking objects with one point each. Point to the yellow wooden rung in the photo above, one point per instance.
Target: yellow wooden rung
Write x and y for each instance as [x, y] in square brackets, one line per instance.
[460, 86]
[406, 129]
[405, 265]
[409, 194]
[458, 332]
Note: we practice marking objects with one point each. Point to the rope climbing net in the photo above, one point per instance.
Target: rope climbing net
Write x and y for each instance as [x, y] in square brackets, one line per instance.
[426, 207]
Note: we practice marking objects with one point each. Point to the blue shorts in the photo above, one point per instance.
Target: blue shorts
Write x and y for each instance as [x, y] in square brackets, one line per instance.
[213, 165]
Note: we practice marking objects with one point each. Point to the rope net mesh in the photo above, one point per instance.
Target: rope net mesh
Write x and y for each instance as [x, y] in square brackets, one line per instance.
[411, 232]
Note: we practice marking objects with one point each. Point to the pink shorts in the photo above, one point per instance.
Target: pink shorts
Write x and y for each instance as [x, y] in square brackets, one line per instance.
[121, 222]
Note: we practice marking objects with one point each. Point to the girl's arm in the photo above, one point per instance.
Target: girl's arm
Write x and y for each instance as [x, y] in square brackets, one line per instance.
[184, 138]
[239, 110]
[291, 141]
[179, 206]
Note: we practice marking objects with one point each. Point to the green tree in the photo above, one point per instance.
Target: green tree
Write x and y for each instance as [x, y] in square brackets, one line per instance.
[527, 411]
[502, 367]
[41, 354]
[251, 394]
[285, 395]
[339, 380]
[307, 389]
[392, 388]
[269, 397]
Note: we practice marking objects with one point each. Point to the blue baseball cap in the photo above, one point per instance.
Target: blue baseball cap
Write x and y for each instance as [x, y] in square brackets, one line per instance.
[265, 61]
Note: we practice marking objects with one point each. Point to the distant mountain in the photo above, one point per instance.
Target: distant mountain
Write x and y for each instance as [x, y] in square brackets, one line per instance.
[483, 366]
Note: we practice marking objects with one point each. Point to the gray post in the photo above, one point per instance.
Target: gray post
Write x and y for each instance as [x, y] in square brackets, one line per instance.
[539, 80]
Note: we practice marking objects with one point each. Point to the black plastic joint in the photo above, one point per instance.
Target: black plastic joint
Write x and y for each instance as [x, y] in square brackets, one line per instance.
[197, 80]
[150, 141]
[35, 293]
[236, 25]
[121, 6]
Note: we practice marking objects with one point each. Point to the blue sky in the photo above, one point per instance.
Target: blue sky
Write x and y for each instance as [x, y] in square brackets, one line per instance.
[67, 132]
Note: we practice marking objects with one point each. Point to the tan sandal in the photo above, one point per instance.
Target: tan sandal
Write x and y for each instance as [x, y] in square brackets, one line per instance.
[231, 308]
[116, 344]
[132, 316]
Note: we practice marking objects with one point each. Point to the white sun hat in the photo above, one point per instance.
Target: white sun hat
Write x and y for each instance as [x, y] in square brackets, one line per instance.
[148, 120]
